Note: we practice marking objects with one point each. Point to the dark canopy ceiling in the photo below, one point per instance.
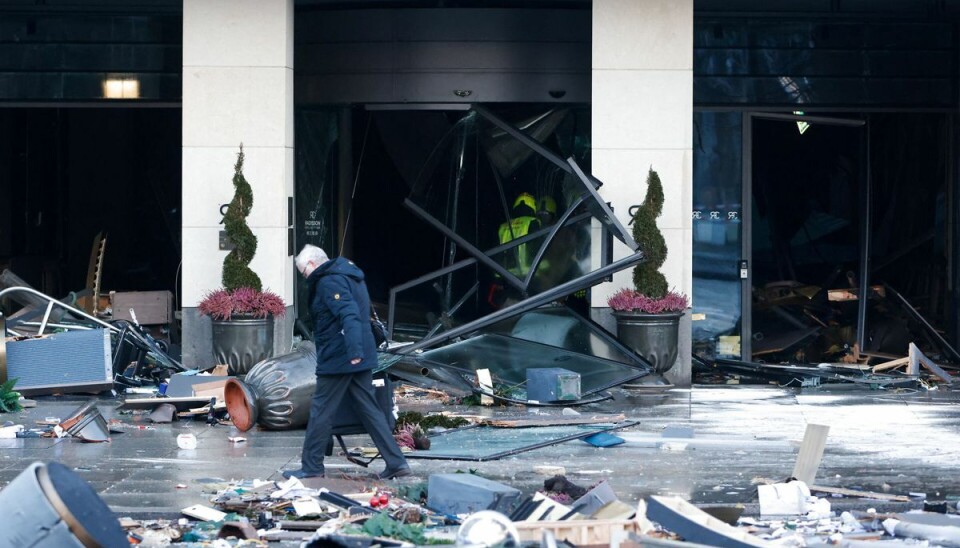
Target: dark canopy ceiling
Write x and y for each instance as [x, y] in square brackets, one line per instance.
[929, 7]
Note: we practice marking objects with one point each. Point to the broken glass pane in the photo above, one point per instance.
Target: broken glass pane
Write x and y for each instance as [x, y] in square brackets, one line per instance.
[508, 359]
[487, 443]
[559, 326]
[489, 188]
[493, 186]
[434, 303]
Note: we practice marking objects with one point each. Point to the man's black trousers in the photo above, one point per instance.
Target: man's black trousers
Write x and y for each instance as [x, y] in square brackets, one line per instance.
[355, 391]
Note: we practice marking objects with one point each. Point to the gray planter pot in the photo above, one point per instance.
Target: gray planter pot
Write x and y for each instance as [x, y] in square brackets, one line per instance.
[242, 342]
[276, 392]
[654, 337]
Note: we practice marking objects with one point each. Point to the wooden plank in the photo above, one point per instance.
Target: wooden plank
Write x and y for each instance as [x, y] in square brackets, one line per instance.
[892, 364]
[881, 355]
[861, 494]
[605, 532]
[811, 452]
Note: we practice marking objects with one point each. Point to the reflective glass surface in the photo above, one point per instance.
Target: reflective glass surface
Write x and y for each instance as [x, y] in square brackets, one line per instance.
[817, 62]
[317, 133]
[490, 188]
[427, 307]
[559, 326]
[508, 359]
[96, 56]
[717, 193]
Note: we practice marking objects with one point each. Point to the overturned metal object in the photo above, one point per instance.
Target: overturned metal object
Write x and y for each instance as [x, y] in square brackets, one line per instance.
[50, 505]
[275, 393]
[163, 413]
[87, 424]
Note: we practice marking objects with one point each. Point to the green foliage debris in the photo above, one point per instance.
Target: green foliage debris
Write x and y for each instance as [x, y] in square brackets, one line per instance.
[9, 398]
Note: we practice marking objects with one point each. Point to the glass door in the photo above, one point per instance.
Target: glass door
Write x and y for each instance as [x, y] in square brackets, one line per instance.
[806, 236]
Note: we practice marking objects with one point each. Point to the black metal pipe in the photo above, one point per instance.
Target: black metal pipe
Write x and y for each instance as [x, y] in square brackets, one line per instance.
[611, 220]
[567, 288]
[866, 209]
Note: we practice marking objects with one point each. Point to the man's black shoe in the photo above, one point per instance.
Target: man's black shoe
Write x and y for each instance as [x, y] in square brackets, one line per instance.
[300, 474]
[398, 473]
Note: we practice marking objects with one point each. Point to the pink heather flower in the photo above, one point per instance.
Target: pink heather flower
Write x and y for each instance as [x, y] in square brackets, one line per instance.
[630, 300]
[221, 304]
[217, 304]
[244, 300]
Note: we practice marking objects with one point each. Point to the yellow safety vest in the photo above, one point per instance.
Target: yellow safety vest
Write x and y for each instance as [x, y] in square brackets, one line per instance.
[517, 228]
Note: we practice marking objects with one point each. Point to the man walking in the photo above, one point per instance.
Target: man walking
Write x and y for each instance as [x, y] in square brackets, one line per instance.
[346, 355]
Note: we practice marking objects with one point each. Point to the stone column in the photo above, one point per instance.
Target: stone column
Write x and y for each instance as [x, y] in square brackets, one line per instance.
[642, 110]
[237, 88]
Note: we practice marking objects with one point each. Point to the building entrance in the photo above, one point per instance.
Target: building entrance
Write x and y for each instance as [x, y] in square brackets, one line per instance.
[838, 209]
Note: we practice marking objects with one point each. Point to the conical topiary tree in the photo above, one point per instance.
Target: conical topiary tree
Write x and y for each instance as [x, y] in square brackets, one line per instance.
[647, 278]
[236, 272]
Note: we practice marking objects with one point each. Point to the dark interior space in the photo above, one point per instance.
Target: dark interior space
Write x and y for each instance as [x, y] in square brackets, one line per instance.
[807, 228]
[806, 209]
[390, 149]
[466, 174]
[67, 174]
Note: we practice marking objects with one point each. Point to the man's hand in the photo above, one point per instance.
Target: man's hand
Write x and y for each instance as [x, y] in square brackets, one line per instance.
[355, 361]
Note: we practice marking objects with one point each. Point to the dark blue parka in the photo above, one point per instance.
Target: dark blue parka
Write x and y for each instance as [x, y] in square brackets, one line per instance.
[340, 306]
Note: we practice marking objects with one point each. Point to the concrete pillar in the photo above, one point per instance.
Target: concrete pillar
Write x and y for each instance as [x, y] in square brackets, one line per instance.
[642, 111]
[237, 88]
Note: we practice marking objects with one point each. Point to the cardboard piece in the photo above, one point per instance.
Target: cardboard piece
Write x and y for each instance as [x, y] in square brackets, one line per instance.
[203, 513]
[485, 380]
[783, 499]
[183, 385]
[811, 452]
[150, 307]
[209, 390]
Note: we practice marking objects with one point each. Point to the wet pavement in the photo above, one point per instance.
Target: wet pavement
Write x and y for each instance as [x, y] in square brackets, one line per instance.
[895, 442]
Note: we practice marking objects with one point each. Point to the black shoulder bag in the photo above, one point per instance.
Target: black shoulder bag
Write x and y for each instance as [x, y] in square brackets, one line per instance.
[379, 330]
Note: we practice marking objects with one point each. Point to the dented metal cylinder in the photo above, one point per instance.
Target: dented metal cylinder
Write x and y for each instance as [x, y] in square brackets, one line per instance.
[49, 505]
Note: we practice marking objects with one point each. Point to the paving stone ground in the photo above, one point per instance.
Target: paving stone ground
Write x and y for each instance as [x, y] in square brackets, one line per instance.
[897, 442]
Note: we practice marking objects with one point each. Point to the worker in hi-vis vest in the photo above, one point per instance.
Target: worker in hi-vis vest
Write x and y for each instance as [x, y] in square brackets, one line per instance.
[522, 222]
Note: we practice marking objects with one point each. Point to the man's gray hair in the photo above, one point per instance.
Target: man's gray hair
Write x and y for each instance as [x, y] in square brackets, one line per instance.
[310, 253]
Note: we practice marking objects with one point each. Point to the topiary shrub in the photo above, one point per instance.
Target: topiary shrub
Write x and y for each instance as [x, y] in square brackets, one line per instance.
[236, 272]
[650, 293]
[242, 292]
[647, 278]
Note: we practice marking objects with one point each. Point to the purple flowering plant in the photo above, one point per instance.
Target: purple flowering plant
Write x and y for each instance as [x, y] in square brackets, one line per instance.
[631, 300]
[223, 304]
